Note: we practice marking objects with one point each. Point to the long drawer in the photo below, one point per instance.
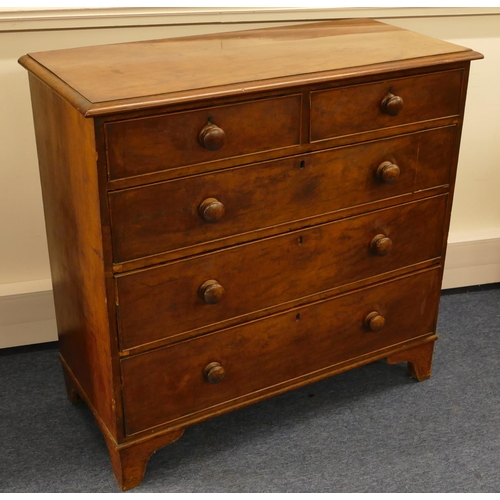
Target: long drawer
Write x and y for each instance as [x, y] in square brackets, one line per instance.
[166, 216]
[198, 292]
[360, 108]
[163, 142]
[178, 381]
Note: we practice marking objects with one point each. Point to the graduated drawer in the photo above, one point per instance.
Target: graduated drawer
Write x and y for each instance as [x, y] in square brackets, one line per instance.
[359, 108]
[203, 291]
[156, 143]
[170, 215]
[173, 382]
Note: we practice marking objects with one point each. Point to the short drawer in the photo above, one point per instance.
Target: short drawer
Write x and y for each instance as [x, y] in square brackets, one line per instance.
[182, 213]
[360, 108]
[157, 143]
[203, 291]
[173, 382]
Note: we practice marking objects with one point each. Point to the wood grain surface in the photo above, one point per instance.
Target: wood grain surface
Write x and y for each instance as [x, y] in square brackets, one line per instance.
[232, 216]
[167, 384]
[357, 108]
[164, 216]
[168, 141]
[68, 173]
[228, 62]
[163, 301]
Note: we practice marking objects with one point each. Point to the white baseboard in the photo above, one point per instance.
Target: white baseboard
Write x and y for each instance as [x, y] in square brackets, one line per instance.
[473, 262]
[35, 332]
[27, 314]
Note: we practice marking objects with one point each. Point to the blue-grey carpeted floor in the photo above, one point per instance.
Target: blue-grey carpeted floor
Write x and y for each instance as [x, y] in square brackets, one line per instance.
[369, 430]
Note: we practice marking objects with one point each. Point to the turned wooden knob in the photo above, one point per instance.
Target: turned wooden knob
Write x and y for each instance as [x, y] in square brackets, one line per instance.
[212, 137]
[381, 244]
[214, 373]
[211, 210]
[388, 172]
[391, 104]
[211, 291]
[374, 321]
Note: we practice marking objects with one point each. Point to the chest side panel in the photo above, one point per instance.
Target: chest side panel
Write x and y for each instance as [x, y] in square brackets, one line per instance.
[69, 178]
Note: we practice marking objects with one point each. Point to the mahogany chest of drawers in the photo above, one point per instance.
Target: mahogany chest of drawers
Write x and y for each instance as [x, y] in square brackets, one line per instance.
[235, 215]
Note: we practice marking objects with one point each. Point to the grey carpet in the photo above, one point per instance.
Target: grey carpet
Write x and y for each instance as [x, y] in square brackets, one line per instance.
[368, 430]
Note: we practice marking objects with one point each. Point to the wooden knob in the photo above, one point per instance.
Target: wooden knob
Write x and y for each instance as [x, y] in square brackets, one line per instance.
[211, 210]
[214, 373]
[212, 137]
[391, 104]
[381, 244]
[211, 291]
[388, 172]
[374, 321]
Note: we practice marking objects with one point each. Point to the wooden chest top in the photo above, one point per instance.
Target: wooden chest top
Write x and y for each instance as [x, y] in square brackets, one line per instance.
[119, 77]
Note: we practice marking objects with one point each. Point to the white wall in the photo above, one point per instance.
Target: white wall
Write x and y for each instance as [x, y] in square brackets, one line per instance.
[26, 310]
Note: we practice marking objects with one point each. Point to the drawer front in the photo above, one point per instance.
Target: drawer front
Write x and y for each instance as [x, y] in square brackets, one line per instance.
[174, 298]
[152, 144]
[170, 215]
[351, 110]
[169, 383]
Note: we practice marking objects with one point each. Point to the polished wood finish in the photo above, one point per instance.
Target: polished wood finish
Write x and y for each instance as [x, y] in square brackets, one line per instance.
[388, 172]
[69, 179]
[391, 104]
[235, 215]
[129, 461]
[150, 74]
[214, 373]
[168, 141]
[268, 352]
[425, 97]
[381, 245]
[419, 360]
[162, 217]
[211, 210]
[374, 321]
[163, 301]
[212, 137]
[211, 291]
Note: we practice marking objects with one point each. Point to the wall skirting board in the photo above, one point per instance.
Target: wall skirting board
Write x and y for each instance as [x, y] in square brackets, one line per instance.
[472, 261]
[27, 313]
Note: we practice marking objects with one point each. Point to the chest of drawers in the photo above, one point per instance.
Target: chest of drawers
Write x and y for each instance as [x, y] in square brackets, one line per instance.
[236, 215]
